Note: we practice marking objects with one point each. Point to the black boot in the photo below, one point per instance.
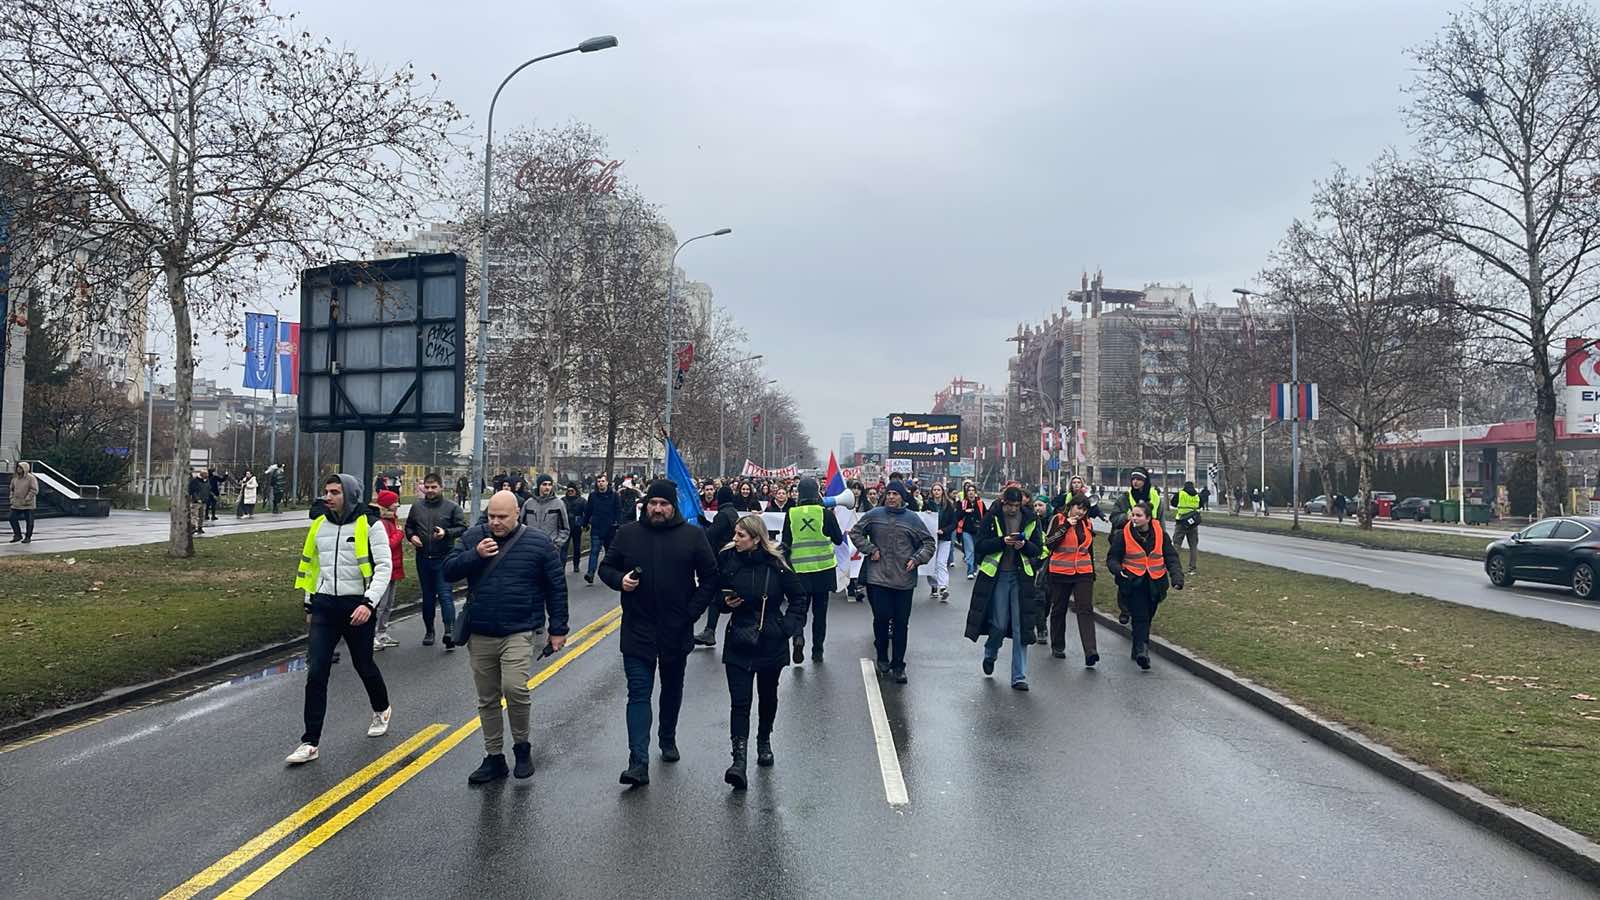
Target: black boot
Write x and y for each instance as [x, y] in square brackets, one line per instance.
[764, 756]
[735, 774]
[1141, 655]
[637, 773]
[494, 766]
[524, 754]
[669, 752]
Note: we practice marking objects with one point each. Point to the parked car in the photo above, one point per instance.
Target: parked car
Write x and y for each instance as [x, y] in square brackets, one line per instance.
[1559, 550]
[1317, 504]
[1418, 508]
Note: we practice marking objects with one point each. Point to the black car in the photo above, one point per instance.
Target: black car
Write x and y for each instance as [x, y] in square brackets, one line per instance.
[1560, 550]
[1418, 508]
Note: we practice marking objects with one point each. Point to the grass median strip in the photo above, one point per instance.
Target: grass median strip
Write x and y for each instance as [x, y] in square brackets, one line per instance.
[1508, 704]
[79, 624]
[1461, 546]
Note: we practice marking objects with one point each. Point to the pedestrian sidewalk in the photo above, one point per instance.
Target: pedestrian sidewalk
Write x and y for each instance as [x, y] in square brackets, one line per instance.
[1487, 532]
[127, 528]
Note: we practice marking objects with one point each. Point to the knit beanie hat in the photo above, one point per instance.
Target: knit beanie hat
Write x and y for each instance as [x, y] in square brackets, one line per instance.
[662, 489]
[543, 479]
[387, 498]
[1140, 472]
[899, 487]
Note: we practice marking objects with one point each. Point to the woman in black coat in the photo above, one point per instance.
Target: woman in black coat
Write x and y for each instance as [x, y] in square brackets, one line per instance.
[718, 534]
[766, 606]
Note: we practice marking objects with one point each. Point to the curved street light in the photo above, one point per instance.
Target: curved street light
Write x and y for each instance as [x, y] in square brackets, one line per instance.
[672, 284]
[601, 42]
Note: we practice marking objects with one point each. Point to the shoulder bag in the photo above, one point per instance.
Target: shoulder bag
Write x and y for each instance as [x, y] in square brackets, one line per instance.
[463, 624]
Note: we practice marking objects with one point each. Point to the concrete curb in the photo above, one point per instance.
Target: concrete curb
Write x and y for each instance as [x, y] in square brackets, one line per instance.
[1556, 843]
[126, 696]
[1326, 539]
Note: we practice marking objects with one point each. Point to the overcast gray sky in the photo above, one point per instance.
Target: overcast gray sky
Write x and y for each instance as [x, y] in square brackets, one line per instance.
[947, 167]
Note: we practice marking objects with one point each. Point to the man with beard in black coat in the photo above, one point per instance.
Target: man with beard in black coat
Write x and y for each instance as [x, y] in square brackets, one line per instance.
[668, 576]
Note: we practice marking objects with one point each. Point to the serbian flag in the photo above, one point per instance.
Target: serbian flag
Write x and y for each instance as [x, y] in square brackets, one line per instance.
[834, 486]
[288, 357]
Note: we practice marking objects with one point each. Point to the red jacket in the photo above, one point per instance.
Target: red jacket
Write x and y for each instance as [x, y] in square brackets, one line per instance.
[397, 553]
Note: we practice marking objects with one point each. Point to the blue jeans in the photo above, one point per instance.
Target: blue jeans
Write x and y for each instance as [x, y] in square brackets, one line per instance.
[641, 671]
[435, 590]
[596, 544]
[969, 552]
[1005, 620]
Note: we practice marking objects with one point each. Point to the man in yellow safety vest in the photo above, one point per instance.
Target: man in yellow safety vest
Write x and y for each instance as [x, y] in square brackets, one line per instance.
[1186, 503]
[345, 567]
[810, 533]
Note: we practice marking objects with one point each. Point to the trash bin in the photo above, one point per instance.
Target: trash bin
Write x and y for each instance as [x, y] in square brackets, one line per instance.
[1447, 511]
[1436, 511]
[1477, 514]
[1384, 506]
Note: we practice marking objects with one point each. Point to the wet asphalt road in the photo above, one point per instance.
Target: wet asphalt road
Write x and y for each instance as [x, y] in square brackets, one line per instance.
[1109, 783]
[1446, 578]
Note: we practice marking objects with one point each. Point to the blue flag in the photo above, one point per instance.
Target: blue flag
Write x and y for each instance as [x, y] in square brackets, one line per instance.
[260, 350]
[688, 494]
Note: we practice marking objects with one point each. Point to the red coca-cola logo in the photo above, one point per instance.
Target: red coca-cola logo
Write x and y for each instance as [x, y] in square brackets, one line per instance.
[592, 176]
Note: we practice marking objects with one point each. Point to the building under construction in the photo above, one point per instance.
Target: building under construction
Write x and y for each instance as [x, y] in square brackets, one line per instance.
[1103, 369]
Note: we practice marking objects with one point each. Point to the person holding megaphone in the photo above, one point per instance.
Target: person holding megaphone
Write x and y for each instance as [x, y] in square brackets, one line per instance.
[810, 533]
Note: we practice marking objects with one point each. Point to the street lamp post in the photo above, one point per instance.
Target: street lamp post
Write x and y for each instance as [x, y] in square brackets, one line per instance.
[672, 284]
[603, 42]
[149, 420]
[722, 437]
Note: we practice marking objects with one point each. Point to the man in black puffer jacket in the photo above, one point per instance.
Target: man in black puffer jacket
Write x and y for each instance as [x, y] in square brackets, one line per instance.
[676, 580]
[510, 597]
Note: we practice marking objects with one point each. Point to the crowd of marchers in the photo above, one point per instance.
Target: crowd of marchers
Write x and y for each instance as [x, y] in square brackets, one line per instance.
[1032, 561]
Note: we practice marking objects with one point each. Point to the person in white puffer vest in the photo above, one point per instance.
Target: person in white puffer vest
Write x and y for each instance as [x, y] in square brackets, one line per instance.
[345, 567]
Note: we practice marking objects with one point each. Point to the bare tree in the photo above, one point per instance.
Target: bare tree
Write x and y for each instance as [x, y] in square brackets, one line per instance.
[616, 383]
[207, 138]
[1506, 109]
[1363, 280]
[546, 251]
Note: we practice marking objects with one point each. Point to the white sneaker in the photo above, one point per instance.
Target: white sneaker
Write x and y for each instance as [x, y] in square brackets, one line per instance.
[970, 576]
[379, 726]
[386, 640]
[302, 754]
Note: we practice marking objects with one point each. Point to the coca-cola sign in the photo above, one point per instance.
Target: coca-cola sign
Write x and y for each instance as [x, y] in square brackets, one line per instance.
[589, 176]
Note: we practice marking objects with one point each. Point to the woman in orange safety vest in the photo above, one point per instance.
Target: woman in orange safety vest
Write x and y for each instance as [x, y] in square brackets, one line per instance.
[1070, 540]
[1143, 561]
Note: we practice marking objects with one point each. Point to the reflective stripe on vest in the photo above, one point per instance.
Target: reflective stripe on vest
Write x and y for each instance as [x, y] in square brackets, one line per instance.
[1136, 562]
[809, 548]
[1072, 558]
[311, 564]
[991, 563]
[1154, 501]
[1187, 503]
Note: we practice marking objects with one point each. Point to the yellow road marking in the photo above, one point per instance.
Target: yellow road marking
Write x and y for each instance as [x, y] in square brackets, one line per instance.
[276, 866]
[261, 842]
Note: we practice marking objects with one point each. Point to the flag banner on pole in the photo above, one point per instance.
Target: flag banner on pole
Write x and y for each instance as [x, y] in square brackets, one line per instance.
[1288, 401]
[688, 493]
[1063, 436]
[1278, 402]
[1309, 403]
[288, 357]
[751, 470]
[260, 345]
[1083, 446]
[1047, 438]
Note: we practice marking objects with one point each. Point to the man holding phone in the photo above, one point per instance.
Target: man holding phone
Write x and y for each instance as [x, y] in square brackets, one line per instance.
[432, 526]
[514, 576]
[667, 575]
[1003, 602]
